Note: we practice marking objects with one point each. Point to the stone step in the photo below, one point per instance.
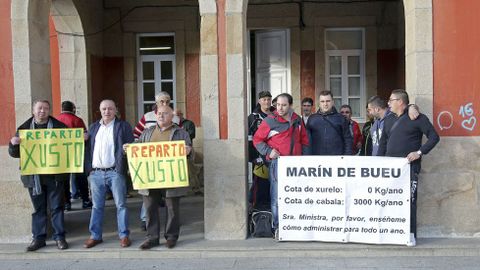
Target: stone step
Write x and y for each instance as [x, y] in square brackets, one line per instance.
[250, 248]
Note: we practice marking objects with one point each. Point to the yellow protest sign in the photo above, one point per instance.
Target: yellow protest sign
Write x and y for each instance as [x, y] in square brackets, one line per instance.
[158, 165]
[51, 151]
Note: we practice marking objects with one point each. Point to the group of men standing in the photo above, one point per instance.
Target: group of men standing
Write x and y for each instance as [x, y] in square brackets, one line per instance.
[273, 132]
[106, 167]
[396, 132]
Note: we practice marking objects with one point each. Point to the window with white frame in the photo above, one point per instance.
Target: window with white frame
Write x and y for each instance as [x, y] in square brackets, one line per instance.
[345, 68]
[156, 69]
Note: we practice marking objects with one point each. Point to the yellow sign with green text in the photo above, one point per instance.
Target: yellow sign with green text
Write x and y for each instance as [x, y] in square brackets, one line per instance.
[51, 151]
[158, 165]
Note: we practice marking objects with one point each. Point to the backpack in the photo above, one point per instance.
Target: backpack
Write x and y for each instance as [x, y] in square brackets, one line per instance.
[261, 223]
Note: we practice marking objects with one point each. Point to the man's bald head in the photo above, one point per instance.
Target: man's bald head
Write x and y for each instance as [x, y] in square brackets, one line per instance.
[164, 116]
[108, 109]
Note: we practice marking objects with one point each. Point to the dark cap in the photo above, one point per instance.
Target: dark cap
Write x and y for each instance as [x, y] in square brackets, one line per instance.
[264, 94]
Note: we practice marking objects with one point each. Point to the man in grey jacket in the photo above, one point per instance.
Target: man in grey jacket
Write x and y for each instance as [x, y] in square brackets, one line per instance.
[164, 130]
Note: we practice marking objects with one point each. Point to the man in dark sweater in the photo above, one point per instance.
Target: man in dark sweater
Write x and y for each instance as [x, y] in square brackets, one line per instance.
[402, 137]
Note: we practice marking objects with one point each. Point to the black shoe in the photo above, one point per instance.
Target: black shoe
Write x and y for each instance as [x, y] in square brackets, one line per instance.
[143, 226]
[86, 204]
[62, 244]
[75, 196]
[148, 244]
[36, 244]
[171, 243]
[68, 206]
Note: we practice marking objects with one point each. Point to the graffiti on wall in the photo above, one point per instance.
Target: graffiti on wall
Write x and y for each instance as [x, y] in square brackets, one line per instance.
[463, 119]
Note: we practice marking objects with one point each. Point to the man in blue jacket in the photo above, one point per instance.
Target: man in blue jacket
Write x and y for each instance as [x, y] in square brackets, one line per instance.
[328, 131]
[106, 166]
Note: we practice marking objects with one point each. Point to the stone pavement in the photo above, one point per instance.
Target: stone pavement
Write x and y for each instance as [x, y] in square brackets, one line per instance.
[194, 252]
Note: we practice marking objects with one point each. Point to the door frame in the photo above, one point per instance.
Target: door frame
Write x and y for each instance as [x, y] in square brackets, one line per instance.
[249, 63]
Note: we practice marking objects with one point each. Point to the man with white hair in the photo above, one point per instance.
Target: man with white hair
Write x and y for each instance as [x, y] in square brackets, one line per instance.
[164, 130]
[150, 118]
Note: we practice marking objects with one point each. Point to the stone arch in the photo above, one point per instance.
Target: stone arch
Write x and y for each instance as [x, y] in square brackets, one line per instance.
[31, 54]
[72, 55]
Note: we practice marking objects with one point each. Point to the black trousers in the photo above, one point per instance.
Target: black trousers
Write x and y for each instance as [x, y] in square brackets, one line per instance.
[52, 197]
[152, 208]
[81, 183]
[414, 172]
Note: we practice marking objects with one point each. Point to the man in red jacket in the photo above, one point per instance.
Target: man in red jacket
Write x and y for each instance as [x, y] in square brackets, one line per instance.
[79, 180]
[281, 134]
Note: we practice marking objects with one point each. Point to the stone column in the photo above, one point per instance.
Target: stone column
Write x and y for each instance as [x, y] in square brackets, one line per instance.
[31, 54]
[224, 158]
[32, 80]
[419, 53]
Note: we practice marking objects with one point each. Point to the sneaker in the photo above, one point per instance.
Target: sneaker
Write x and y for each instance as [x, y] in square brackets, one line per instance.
[68, 206]
[412, 241]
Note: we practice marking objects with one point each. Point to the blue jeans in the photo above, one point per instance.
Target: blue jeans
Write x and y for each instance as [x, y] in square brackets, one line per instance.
[99, 182]
[272, 176]
[143, 213]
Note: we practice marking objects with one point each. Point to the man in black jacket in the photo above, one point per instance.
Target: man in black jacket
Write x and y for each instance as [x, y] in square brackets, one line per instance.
[328, 131]
[259, 194]
[402, 137]
[45, 187]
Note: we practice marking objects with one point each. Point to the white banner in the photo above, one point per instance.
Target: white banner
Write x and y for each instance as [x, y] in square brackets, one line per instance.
[344, 199]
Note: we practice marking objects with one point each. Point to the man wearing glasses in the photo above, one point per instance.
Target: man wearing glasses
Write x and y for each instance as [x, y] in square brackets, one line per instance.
[378, 108]
[402, 137]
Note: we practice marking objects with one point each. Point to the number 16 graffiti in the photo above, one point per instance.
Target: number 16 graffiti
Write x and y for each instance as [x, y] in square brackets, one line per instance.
[465, 111]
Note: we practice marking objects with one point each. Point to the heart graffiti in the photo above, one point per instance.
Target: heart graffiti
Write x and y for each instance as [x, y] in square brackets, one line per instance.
[469, 124]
